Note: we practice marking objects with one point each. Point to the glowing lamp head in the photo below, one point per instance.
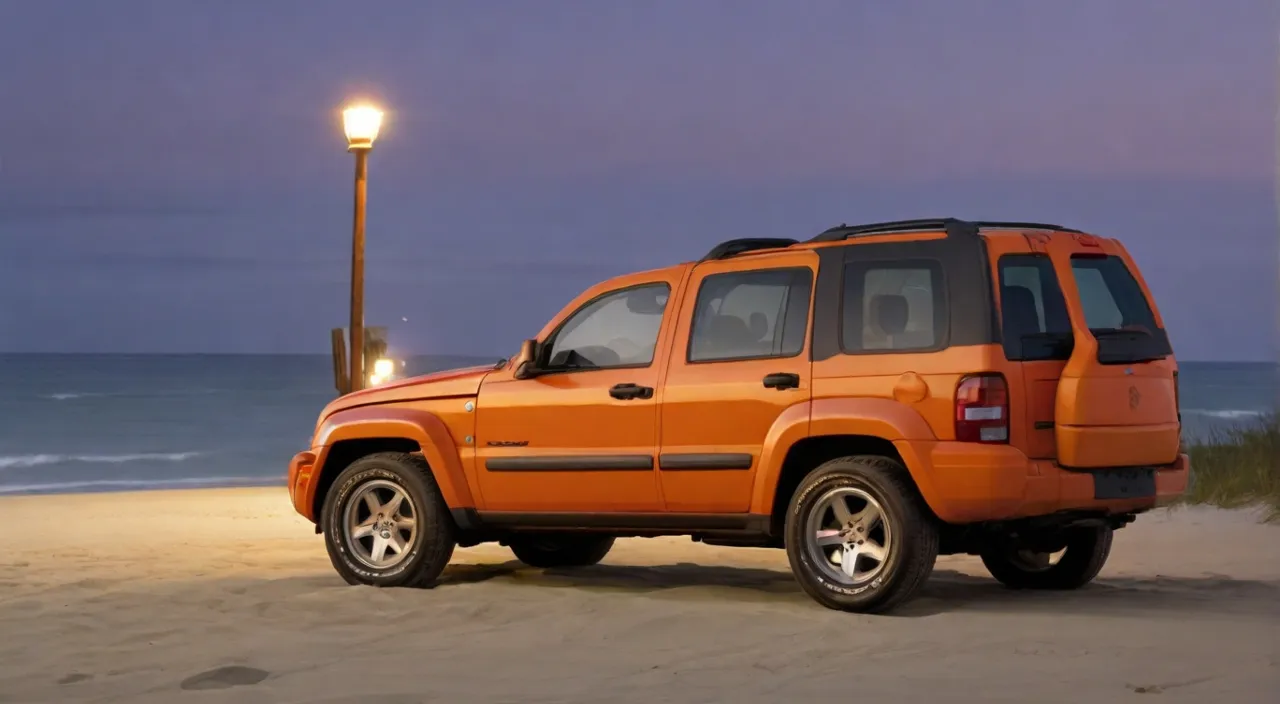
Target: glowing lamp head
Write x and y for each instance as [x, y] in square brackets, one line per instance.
[361, 124]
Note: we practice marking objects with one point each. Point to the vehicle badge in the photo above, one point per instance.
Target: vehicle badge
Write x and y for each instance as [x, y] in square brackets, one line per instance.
[1134, 397]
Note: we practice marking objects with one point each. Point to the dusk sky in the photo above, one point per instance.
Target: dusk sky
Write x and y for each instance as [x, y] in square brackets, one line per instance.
[173, 176]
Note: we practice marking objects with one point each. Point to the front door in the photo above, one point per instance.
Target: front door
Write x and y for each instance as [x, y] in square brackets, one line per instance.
[582, 436]
[746, 362]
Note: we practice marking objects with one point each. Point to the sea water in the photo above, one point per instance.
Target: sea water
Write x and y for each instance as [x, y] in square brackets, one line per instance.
[75, 423]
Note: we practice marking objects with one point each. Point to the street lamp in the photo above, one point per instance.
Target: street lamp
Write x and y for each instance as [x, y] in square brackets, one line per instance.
[361, 124]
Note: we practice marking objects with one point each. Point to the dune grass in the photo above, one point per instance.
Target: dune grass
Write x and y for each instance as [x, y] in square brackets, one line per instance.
[1237, 467]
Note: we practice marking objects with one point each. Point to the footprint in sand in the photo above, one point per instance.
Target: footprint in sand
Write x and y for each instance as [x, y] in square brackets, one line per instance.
[224, 677]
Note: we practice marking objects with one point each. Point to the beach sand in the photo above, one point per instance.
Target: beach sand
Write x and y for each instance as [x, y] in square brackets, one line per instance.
[227, 596]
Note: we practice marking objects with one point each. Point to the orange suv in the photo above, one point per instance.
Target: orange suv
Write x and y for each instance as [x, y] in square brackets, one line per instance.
[867, 399]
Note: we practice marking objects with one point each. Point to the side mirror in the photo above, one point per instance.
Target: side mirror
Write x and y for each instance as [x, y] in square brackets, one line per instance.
[526, 363]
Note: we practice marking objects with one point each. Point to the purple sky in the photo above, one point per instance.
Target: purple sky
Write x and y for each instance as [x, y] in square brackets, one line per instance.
[173, 175]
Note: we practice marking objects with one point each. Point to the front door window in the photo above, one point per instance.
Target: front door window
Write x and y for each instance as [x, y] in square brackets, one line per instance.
[616, 330]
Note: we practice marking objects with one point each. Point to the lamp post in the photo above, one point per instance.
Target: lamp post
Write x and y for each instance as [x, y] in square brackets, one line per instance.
[361, 124]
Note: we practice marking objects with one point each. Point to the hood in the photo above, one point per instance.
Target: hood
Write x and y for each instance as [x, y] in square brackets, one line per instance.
[447, 384]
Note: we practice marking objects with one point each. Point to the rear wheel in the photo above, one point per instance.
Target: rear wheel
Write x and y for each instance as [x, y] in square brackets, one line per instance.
[858, 536]
[561, 550]
[1084, 552]
[386, 524]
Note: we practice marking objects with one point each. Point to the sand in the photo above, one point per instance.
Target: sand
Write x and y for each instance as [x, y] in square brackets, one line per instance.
[226, 596]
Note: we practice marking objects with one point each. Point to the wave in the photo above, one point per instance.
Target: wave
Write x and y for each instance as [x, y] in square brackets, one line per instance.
[1227, 414]
[74, 395]
[137, 484]
[12, 461]
[69, 396]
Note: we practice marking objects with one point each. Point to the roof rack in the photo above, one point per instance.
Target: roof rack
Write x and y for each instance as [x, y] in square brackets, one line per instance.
[993, 224]
[724, 250]
[952, 226]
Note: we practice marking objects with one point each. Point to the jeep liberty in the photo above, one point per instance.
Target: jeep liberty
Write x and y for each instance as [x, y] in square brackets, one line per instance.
[867, 400]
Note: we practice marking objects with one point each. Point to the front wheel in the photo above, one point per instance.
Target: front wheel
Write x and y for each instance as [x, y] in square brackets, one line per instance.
[858, 535]
[386, 524]
[561, 550]
[1084, 552]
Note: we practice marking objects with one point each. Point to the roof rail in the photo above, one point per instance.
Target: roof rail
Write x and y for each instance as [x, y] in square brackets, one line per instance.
[724, 250]
[951, 226]
[994, 224]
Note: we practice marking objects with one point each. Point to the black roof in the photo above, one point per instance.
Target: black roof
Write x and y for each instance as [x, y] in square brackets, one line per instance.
[954, 227]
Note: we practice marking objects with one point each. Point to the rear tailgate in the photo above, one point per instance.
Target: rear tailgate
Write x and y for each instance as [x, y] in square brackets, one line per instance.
[1116, 402]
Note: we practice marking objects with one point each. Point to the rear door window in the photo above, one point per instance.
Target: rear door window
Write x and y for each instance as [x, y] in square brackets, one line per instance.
[751, 315]
[1033, 311]
[1117, 311]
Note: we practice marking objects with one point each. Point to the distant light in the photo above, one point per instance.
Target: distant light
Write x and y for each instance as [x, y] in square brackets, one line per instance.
[361, 124]
[383, 370]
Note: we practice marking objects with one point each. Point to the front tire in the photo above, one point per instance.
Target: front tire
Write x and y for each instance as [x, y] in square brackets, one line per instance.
[561, 550]
[1086, 551]
[858, 535]
[386, 524]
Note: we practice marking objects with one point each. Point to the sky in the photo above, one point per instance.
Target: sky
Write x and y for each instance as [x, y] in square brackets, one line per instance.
[173, 176]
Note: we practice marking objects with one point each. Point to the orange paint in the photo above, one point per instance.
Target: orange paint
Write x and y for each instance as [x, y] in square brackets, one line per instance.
[717, 436]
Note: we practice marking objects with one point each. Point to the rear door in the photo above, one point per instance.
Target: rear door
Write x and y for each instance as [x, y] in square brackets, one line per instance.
[1116, 403]
[740, 360]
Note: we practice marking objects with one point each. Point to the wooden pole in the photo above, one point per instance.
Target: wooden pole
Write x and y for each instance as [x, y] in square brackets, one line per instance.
[357, 377]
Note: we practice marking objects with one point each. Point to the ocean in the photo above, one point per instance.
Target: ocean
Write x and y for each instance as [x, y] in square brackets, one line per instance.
[83, 423]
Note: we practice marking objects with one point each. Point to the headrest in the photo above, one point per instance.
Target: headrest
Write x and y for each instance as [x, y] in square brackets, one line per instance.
[890, 313]
[728, 332]
[1020, 308]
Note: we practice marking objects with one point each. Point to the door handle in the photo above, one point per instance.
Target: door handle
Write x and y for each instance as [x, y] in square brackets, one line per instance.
[627, 392]
[782, 380]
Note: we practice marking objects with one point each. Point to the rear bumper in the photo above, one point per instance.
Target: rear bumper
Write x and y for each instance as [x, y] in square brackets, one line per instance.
[969, 483]
[301, 471]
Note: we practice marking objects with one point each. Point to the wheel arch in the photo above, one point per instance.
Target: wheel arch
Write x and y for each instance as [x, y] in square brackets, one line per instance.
[348, 435]
[834, 427]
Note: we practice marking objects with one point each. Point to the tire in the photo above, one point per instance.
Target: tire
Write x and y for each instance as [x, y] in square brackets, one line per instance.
[425, 533]
[561, 550]
[906, 535]
[1086, 552]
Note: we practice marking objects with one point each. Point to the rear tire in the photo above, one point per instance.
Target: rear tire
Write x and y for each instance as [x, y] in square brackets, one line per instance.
[1086, 552]
[561, 549]
[386, 524]
[858, 535]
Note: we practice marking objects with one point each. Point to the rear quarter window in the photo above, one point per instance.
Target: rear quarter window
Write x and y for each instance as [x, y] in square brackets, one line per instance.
[1034, 321]
[893, 306]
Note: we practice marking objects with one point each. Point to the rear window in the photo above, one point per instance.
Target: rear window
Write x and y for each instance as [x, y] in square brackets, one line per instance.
[1033, 311]
[893, 306]
[1117, 312]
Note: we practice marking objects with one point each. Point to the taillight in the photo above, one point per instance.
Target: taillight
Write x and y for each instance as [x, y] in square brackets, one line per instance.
[982, 409]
